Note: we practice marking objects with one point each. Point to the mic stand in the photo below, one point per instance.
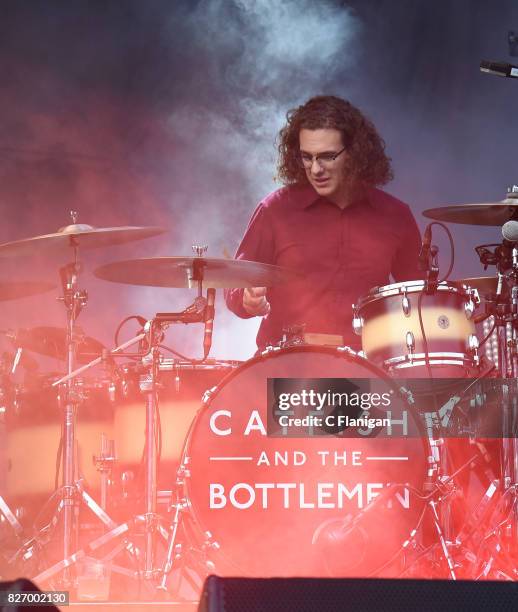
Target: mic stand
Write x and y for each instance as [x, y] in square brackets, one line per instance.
[503, 305]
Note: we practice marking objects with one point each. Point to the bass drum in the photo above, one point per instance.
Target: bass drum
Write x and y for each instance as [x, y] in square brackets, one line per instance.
[332, 505]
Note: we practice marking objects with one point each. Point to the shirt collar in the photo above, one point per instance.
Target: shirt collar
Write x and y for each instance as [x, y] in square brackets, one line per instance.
[306, 197]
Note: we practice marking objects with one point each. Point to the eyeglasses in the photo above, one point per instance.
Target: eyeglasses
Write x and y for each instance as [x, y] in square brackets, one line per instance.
[324, 160]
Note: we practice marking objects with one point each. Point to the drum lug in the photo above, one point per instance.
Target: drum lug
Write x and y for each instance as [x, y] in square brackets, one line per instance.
[469, 308]
[405, 303]
[473, 346]
[408, 395]
[410, 345]
[346, 349]
[209, 543]
[206, 397]
[357, 321]
[270, 349]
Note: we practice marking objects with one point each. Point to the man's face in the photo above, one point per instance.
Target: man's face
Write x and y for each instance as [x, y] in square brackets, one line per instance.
[329, 179]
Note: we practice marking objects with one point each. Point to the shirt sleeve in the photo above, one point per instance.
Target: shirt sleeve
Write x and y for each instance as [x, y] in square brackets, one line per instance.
[257, 245]
[406, 261]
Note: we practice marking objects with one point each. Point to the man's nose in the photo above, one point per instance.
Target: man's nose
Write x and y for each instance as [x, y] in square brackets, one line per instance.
[316, 166]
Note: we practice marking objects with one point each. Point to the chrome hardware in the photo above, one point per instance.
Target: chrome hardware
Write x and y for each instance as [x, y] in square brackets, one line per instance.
[473, 343]
[357, 321]
[410, 343]
[199, 249]
[405, 303]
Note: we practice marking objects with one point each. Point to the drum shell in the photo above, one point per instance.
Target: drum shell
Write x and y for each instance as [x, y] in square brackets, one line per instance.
[180, 391]
[390, 313]
[33, 426]
[258, 543]
[115, 407]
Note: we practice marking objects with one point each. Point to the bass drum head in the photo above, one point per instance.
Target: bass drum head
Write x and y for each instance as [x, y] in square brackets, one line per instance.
[271, 506]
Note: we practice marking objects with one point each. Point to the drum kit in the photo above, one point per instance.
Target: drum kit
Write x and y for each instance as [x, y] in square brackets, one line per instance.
[242, 502]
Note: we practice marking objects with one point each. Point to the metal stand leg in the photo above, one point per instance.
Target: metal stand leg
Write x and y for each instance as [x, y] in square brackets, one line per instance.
[168, 564]
[10, 517]
[442, 540]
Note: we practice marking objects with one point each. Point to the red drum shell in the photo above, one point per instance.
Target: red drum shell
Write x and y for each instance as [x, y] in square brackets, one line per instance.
[287, 537]
[389, 314]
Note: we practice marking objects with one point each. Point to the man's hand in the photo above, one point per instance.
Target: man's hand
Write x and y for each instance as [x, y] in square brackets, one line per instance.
[255, 302]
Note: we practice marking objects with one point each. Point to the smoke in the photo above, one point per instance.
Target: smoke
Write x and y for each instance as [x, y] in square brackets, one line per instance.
[170, 118]
[259, 59]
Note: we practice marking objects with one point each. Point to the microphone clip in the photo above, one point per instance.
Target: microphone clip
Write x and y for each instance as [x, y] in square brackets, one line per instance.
[432, 271]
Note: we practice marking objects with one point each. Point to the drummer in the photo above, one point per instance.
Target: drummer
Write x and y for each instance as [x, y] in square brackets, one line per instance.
[331, 222]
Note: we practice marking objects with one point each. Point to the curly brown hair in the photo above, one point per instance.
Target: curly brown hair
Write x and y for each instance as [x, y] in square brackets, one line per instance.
[369, 163]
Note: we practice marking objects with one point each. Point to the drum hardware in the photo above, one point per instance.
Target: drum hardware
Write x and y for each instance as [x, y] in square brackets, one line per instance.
[104, 463]
[441, 494]
[201, 310]
[389, 321]
[428, 263]
[230, 538]
[173, 554]
[8, 515]
[74, 299]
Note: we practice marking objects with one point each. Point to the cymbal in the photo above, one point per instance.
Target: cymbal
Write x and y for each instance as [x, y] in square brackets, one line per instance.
[492, 213]
[51, 341]
[78, 234]
[483, 284]
[15, 290]
[178, 272]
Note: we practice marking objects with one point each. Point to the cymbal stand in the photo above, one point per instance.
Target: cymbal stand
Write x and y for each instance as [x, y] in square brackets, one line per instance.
[74, 301]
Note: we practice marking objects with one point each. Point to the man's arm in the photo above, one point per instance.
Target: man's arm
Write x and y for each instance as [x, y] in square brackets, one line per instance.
[257, 245]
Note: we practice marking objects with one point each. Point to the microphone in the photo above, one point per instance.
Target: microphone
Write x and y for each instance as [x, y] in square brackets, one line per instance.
[510, 232]
[499, 68]
[510, 236]
[209, 322]
[424, 253]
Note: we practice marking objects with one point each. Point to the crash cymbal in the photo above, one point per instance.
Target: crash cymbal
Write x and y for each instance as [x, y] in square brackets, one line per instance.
[180, 272]
[491, 213]
[483, 284]
[78, 234]
[51, 341]
[15, 290]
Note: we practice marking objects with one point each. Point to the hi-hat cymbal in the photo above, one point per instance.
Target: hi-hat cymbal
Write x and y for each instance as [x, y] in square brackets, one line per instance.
[78, 234]
[51, 341]
[15, 290]
[183, 272]
[491, 213]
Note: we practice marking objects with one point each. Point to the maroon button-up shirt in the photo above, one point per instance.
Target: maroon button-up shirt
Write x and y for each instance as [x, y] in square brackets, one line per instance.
[341, 253]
